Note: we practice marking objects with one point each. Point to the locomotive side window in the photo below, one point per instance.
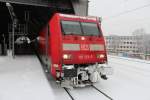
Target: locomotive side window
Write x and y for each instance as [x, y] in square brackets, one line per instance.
[90, 29]
[71, 28]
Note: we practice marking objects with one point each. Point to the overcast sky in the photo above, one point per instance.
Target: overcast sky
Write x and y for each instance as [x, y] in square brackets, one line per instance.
[126, 23]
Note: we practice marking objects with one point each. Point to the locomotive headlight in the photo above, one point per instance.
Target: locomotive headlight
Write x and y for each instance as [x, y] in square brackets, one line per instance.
[66, 56]
[82, 38]
[100, 55]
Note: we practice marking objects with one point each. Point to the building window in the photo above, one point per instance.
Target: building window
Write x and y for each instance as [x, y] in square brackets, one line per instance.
[130, 42]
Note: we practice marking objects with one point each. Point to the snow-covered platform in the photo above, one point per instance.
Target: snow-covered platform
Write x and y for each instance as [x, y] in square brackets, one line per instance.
[23, 78]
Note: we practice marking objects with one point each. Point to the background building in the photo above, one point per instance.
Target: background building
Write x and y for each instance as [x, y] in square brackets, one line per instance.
[131, 46]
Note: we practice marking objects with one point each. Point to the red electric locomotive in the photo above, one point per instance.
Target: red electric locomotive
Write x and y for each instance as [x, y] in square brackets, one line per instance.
[75, 50]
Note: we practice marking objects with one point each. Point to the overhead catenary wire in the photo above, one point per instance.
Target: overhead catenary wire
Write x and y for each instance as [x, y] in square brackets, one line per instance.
[127, 11]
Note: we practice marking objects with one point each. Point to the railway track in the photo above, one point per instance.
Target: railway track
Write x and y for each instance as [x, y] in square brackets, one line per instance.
[135, 68]
[130, 59]
[110, 98]
[68, 92]
[101, 92]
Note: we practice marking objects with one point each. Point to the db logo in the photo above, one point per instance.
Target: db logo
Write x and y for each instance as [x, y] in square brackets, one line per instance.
[84, 47]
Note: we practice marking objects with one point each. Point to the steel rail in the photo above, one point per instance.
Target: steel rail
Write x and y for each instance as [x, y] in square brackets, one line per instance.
[69, 93]
[102, 92]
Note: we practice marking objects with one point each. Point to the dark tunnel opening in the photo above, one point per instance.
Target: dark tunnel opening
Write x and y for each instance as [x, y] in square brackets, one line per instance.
[31, 19]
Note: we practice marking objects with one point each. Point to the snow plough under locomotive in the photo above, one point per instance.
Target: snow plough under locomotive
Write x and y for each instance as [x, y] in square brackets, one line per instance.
[74, 49]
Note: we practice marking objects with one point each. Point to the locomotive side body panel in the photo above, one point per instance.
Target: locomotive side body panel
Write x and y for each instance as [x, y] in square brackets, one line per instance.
[55, 44]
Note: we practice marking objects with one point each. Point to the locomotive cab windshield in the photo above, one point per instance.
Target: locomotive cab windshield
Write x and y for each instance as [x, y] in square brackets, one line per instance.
[80, 28]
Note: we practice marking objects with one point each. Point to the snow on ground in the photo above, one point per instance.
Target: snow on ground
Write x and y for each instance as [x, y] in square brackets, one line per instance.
[130, 81]
[87, 93]
[22, 78]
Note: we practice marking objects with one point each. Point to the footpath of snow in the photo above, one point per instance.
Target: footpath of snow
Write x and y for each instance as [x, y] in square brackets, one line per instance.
[22, 78]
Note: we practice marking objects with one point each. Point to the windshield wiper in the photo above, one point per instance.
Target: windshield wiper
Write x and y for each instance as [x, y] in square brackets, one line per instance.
[71, 33]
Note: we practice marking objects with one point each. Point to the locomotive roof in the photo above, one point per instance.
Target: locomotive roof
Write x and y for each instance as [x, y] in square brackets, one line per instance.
[79, 17]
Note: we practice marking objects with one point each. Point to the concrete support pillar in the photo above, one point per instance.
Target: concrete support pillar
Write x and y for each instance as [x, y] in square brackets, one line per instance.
[80, 7]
